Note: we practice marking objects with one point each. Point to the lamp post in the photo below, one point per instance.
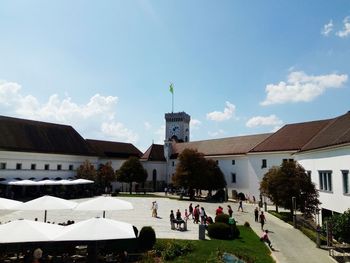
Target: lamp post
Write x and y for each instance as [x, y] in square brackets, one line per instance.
[294, 206]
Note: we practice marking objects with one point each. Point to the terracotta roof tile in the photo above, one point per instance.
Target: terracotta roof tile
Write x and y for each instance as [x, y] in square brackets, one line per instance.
[291, 137]
[114, 149]
[224, 146]
[154, 153]
[335, 133]
[35, 136]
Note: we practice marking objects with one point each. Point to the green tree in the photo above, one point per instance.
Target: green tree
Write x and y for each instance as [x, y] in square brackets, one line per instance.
[289, 180]
[195, 172]
[214, 178]
[341, 226]
[106, 175]
[132, 171]
[86, 171]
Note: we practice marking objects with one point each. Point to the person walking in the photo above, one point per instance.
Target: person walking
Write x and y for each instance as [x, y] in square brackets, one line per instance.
[240, 205]
[190, 210]
[256, 214]
[230, 211]
[262, 220]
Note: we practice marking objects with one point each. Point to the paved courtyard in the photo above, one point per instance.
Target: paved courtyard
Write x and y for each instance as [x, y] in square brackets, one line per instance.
[290, 244]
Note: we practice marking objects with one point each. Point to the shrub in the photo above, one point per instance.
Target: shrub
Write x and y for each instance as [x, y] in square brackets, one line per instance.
[147, 238]
[219, 231]
[246, 224]
[172, 249]
[222, 218]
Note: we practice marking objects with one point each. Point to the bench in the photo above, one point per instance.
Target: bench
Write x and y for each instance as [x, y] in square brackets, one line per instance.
[181, 223]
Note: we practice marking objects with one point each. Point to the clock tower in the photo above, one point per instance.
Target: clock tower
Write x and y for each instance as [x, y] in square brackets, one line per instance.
[177, 126]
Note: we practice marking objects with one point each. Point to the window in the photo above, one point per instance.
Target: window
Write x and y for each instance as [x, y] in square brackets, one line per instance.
[173, 164]
[47, 167]
[233, 178]
[325, 178]
[284, 160]
[263, 163]
[291, 160]
[345, 181]
[2, 166]
[18, 166]
[33, 166]
[217, 162]
[59, 167]
[71, 167]
[233, 162]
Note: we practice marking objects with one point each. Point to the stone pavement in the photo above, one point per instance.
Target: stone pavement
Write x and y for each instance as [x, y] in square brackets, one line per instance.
[290, 245]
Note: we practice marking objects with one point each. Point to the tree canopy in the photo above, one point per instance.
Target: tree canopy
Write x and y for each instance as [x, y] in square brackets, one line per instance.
[289, 180]
[195, 172]
[86, 171]
[341, 226]
[132, 171]
[106, 175]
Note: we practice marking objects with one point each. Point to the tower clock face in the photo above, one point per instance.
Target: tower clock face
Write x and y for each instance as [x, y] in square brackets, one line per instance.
[174, 129]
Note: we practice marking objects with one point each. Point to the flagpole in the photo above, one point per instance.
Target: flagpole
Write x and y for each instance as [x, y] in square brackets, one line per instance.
[171, 89]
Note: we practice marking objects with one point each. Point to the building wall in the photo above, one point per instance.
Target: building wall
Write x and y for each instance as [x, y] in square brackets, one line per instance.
[334, 160]
[11, 159]
[256, 171]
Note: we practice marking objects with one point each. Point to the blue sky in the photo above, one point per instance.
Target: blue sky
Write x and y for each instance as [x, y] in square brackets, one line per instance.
[238, 67]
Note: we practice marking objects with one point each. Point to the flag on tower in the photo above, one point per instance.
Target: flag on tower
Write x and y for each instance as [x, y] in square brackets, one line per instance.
[171, 88]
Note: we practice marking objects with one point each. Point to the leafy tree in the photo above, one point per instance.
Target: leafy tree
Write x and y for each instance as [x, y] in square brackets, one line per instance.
[289, 180]
[132, 171]
[196, 172]
[106, 174]
[215, 179]
[341, 226]
[86, 171]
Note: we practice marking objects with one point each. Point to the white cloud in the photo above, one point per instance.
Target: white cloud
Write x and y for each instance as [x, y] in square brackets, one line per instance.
[346, 29]
[95, 119]
[271, 120]
[194, 124]
[227, 114]
[327, 28]
[148, 126]
[160, 133]
[117, 131]
[216, 133]
[301, 87]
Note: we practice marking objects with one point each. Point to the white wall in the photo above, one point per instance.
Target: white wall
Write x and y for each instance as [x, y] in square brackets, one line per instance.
[334, 160]
[40, 159]
[256, 172]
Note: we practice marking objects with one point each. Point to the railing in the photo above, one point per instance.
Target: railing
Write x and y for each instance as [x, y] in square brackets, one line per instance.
[341, 253]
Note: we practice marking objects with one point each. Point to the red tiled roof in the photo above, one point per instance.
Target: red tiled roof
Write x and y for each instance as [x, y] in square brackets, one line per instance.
[224, 146]
[335, 133]
[42, 137]
[154, 153]
[114, 149]
[291, 137]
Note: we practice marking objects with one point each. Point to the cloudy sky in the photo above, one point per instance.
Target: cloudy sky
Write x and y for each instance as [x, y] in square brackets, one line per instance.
[238, 68]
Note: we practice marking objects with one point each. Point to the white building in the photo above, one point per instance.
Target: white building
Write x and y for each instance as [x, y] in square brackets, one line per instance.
[39, 150]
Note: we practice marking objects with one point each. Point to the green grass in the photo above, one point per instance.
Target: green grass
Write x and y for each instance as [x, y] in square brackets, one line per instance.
[248, 246]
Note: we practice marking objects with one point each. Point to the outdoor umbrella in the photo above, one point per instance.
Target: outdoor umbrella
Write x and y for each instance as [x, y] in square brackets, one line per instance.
[104, 203]
[8, 203]
[96, 229]
[45, 203]
[19, 231]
